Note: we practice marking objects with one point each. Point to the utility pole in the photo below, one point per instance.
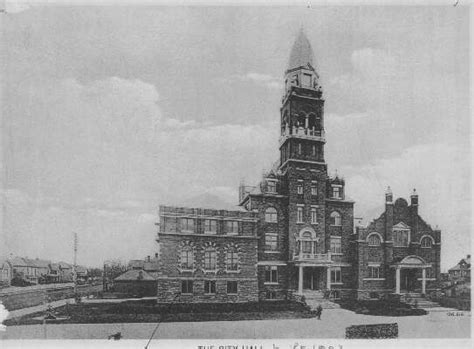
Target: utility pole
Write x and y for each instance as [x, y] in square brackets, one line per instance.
[75, 265]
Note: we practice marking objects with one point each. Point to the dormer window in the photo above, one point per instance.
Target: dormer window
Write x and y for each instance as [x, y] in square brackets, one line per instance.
[336, 192]
[271, 186]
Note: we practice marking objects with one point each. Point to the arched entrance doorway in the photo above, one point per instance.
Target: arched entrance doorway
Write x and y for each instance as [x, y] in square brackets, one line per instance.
[407, 272]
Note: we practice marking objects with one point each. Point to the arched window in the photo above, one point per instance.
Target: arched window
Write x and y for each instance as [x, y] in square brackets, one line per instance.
[335, 218]
[271, 215]
[232, 259]
[187, 258]
[210, 258]
[374, 239]
[426, 242]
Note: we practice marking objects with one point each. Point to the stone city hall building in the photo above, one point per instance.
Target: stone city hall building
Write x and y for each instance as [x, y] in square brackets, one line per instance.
[295, 233]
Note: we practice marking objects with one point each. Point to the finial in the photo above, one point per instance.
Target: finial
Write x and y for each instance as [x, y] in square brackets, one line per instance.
[414, 192]
[389, 190]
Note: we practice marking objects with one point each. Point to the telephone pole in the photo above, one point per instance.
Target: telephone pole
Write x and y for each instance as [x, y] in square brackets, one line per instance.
[75, 265]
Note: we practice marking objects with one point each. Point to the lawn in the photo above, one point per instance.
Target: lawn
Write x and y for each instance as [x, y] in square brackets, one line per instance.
[149, 311]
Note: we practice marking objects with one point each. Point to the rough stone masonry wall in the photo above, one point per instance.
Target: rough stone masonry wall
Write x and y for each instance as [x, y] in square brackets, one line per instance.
[169, 290]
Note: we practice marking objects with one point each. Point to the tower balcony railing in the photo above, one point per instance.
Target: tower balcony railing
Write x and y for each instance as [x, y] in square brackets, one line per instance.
[302, 132]
[313, 257]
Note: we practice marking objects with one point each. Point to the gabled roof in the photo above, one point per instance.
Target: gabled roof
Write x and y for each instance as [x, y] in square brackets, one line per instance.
[64, 265]
[18, 262]
[54, 266]
[151, 266]
[40, 263]
[135, 275]
[136, 264]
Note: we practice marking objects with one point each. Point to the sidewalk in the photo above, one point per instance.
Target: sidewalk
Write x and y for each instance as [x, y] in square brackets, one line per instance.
[41, 307]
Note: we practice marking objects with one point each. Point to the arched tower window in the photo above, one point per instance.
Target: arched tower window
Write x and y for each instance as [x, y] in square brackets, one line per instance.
[271, 215]
[374, 239]
[426, 242]
[335, 218]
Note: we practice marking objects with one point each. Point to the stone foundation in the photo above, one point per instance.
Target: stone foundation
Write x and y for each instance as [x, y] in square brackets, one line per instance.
[169, 290]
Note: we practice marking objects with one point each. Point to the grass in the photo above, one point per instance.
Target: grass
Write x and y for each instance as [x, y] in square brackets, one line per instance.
[148, 311]
[381, 308]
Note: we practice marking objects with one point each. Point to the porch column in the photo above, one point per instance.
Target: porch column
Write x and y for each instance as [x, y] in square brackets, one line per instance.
[300, 280]
[397, 280]
[328, 277]
[423, 281]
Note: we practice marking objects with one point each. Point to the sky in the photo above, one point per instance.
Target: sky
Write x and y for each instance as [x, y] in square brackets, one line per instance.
[108, 112]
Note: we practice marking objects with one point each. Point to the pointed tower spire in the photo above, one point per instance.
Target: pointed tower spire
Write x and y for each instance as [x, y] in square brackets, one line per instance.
[301, 53]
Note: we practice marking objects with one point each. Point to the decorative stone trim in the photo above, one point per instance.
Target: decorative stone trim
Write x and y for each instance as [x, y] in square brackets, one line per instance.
[271, 263]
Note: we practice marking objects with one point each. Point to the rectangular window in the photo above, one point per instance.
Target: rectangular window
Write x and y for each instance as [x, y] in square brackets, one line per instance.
[400, 238]
[299, 148]
[314, 190]
[336, 192]
[335, 245]
[210, 226]
[299, 189]
[232, 287]
[307, 246]
[232, 227]
[187, 286]
[271, 186]
[306, 80]
[271, 242]
[336, 275]
[209, 287]
[299, 215]
[374, 272]
[271, 274]
[187, 224]
[314, 215]
[314, 150]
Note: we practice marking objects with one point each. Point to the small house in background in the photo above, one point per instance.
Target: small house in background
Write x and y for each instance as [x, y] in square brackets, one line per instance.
[81, 273]
[54, 273]
[65, 272]
[461, 272]
[136, 283]
[6, 272]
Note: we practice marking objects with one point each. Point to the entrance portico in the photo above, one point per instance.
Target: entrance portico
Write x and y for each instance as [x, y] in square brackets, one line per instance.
[409, 265]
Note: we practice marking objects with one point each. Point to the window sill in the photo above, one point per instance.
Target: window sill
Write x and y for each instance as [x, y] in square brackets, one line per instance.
[427, 279]
[214, 271]
[271, 283]
[336, 253]
[270, 252]
[337, 283]
[373, 279]
[210, 232]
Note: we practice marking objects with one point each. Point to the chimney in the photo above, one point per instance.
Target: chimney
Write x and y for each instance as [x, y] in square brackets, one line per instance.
[388, 196]
[147, 258]
[414, 198]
